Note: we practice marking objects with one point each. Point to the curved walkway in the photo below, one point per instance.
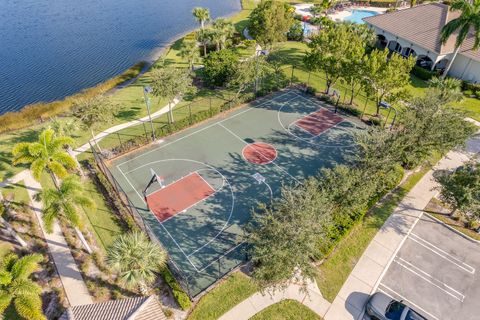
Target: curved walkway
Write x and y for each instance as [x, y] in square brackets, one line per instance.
[311, 297]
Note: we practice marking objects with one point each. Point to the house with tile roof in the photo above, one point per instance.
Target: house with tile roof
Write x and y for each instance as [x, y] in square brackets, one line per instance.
[139, 308]
[416, 31]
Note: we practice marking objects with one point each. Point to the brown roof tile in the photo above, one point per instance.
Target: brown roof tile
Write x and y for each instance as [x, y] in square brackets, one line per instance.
[422, 25]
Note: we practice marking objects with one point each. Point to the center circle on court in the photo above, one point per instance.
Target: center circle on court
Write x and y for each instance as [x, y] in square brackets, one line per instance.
[259, 153]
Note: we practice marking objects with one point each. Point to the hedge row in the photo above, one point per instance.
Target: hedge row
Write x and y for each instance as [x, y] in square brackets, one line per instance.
[424, 74]
[180, 296]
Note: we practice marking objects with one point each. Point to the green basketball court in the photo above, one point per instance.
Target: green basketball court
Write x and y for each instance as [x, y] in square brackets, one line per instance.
[211, 176]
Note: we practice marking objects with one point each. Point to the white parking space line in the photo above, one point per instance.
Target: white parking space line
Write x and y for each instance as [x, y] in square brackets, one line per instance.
[445, 255]
[430, 279]
[382, 287]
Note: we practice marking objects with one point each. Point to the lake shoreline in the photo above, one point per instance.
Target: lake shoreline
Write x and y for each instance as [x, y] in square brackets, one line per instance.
[38, 112]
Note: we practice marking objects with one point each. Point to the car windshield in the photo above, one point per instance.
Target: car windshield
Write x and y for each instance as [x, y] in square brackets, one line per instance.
[412, 315]
[394, 310]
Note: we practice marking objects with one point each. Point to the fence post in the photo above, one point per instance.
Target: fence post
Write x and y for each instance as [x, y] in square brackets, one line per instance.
[364, 108]
[308, 81]
[120, 140]
[291, 77]
[345, 95]
[145, 130]
[190, 112]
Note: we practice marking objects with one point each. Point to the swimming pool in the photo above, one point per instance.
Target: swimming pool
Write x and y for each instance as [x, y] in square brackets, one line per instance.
[358, 15]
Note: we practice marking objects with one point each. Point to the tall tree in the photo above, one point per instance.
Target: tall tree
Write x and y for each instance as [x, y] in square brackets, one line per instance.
[466, 25]
[94, 112]
[47, 154]
[224, 30]
[285, 235]
[270, 21]
[428, 125]
[17, 287]
[219, 67]
[189, 51]
[327, 53]
[386, 78]
[247, 73]
[64, 204]
[202, 15]
[136, 259]
[171, 82]
[352, 70]
[461, 189]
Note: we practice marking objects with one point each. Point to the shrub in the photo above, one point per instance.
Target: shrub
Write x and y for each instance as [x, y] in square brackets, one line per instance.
[350, 110]
[477, 94]
[296, 32]
[311, 91]
[374, 121]
[468, 93]
[180, 296]
[383, 3]
[423, 74]
[219, 67]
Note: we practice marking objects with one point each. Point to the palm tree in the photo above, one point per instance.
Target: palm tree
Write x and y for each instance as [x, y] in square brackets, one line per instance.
[47, 154]
[468, 23]
[63, 203]
[223, 30]
[202, 15]
[448, 90]
[17, 287]
[136, 259]
[204, 36]
[189, 51]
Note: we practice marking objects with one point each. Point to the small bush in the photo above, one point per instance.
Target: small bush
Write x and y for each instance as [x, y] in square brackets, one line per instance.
[350, 110]
[477, 94]
[311, 91]
[423, 74]
[374, 121]
[180, 296]
[468, 93]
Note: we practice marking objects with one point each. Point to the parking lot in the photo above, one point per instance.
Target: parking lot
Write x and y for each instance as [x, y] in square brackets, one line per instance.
[436, 273]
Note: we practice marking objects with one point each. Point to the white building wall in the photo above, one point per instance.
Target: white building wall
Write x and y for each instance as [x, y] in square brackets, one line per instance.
[466, 69]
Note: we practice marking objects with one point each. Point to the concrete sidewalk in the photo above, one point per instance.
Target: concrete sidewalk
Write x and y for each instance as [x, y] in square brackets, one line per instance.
[365, 277]
[249, 307]
[73, 284]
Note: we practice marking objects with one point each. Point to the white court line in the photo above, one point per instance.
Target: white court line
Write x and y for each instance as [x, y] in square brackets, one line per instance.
[405, 299]
[445, 255]
[209, 126]
[141, 198]
[404, 262]
[239, 138]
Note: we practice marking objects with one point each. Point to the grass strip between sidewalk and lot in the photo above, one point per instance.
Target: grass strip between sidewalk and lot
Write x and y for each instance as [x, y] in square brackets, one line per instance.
[227, 294]
[334, 271]
[286, 310]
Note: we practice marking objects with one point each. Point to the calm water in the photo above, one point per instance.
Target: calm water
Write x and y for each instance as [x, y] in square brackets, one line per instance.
[53, 48]
[358, 15]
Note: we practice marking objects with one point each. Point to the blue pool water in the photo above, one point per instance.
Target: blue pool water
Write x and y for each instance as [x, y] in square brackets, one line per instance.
[53, 48]
[358, 15]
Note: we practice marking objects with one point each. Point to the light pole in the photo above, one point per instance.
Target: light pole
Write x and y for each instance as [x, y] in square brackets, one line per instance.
[146, 91]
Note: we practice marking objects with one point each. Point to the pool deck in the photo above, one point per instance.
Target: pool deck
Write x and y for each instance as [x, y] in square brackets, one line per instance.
[304, 10]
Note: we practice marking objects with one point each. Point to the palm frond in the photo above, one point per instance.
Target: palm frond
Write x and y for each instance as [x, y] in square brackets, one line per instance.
[26, 265]
[5, 300]
[58, 169]
[5, 277]
[71, 214]
[29, 307]
[37, 168]
[65, 159]
[48, 217]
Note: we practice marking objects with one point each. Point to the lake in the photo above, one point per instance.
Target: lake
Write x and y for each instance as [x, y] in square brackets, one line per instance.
[50, 49]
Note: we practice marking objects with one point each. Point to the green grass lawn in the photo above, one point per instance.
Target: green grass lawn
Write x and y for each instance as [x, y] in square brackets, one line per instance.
[16, 193]
[338, 266]
[286, 310]
[236, 288]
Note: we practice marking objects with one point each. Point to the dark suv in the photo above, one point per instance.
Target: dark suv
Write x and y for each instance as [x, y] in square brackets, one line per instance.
[382, 307]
